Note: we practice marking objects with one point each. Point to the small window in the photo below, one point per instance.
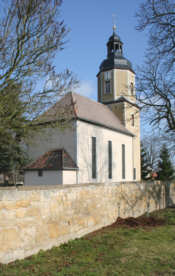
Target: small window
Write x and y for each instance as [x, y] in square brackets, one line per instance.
[132, 88]
[107, 87]
[132, 120]
[40, 173]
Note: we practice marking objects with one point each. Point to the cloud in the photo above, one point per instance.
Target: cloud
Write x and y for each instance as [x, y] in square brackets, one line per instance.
[86, 88]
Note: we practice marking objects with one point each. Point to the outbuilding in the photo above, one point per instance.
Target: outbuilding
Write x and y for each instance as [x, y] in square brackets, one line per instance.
[55, 167]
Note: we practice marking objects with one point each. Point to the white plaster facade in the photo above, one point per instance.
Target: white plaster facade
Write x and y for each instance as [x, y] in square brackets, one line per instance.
[31, 178]
[53, 138]
[85, 132]
[78, 143]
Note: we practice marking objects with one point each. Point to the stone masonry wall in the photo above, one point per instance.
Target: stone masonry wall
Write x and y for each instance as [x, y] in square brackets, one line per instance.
[34, 218]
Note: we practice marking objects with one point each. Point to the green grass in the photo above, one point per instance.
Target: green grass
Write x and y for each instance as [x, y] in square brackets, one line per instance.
[111, 251]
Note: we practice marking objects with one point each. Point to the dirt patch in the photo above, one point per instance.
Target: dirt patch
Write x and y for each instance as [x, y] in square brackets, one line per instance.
[139, 222]
[131, 222]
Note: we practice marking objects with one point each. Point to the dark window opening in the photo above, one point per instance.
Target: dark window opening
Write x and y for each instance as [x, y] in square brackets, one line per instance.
[94, 158]
[109, 159]
[123, 161]
[40, 173]
[132, 88]
[117, 47]
[132, 120]
[107, 87]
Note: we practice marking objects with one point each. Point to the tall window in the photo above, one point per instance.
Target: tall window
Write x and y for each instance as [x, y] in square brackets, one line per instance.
[94, 158]
[109, 159]
[107, 77]
[107, 87]
[123, 161]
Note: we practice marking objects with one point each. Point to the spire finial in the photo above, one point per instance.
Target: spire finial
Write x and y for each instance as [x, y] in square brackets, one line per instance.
[114, 23]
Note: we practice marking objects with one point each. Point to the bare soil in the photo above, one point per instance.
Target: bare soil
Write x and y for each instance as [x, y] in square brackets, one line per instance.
[131, 222]
[139, 222]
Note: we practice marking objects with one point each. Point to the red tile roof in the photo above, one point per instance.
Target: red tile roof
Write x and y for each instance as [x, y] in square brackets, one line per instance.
[57, 159]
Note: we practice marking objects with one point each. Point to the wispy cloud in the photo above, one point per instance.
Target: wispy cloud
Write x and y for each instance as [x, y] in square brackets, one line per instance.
[86, 88]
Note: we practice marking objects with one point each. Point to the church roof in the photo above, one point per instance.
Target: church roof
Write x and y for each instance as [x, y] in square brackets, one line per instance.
[57, 159]
[75, 106]
[122, 99]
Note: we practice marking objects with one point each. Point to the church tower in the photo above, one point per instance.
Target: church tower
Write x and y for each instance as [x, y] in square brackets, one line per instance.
[116, 89]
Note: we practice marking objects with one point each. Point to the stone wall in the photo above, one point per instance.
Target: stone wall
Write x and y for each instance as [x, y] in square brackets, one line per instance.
[34, 218]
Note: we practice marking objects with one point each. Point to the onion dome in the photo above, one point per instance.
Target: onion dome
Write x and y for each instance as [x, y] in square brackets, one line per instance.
[115, 58]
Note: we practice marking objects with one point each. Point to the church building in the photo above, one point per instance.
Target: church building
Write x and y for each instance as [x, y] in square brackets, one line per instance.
[102, 141]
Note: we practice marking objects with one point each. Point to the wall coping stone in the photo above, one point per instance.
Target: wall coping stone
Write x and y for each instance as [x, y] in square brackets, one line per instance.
[62, 187]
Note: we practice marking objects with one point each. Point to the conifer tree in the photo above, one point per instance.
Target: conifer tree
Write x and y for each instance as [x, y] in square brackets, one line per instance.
[165, 167]
[145, 164]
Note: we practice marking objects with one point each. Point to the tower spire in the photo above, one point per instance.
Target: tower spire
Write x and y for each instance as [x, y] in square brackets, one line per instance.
[114, 23]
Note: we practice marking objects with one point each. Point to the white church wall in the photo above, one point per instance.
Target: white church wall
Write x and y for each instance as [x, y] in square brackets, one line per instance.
[50, 139]
[69, 177]
[85, 132]
[31, 178]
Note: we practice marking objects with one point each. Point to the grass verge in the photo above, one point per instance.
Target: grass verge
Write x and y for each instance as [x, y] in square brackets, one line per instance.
[110, 251]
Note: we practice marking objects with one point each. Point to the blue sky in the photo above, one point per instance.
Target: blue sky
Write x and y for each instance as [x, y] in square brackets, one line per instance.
[90, 24]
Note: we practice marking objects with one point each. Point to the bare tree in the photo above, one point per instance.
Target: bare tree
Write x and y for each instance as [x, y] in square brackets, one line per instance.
[31, 33]
[152, 146]
[158, 17]
[156, 82]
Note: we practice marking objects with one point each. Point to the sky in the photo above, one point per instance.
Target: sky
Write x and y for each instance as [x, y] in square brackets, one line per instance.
[90, 24]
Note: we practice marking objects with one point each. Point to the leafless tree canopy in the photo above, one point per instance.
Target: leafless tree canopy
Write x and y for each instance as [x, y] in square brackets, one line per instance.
[158, 17]
[31, 33]
[156, 81]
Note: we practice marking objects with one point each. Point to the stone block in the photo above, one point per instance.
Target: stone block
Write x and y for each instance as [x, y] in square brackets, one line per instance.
[9, 239]
[33, 212]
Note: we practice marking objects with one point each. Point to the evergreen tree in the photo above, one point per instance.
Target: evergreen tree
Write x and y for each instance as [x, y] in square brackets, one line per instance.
[165, 167]
[145, 164]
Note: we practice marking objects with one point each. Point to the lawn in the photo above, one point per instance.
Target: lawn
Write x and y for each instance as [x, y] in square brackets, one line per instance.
[110, 251]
